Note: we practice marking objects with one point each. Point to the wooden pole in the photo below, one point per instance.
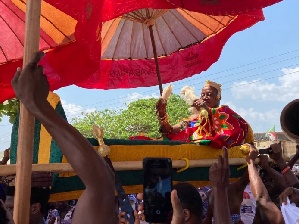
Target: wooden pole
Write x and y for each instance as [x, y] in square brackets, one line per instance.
[26, 123]
[119, 166]
[156, 60]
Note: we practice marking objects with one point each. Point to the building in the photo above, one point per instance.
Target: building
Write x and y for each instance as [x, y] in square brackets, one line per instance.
[288, 146]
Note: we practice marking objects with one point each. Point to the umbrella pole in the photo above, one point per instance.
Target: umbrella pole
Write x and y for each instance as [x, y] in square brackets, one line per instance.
[156, 60]
[26, 123]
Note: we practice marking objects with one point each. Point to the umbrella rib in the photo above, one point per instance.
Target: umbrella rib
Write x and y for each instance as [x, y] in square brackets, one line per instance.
[52, 25]
[9, 25]
[4, 53]
[199, 21]
[130, 47]
[118, 41]
[147, 55]
[160, 39]
[22, 21]
[103, 38]
[171, 31]
[211, 17]
[184, 26]
[136, 13]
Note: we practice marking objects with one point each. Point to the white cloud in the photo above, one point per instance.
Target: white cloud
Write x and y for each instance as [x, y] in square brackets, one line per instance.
[287, 88]
[72, 110]
[136, 96]
[259, 121]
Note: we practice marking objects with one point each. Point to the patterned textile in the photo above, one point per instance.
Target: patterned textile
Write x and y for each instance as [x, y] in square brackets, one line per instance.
[223, 128]
[54, 215]
[203, 193]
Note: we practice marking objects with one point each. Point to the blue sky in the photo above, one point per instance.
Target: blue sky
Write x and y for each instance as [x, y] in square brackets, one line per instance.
[258, 70]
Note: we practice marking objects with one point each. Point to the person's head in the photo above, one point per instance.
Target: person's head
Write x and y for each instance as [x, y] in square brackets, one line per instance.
[211, 94]
[61, 205]
[38, 202]
[191, 202]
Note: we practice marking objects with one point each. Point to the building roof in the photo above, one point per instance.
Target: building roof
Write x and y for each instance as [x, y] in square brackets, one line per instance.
[261, 136]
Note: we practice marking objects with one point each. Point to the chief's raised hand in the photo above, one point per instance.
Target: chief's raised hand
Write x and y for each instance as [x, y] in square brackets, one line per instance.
[161, 107]
[200, 103]
[30, 84]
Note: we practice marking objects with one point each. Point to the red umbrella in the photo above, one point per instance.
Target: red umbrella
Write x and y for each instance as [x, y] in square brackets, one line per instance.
[57, 28]
[67, 65]
[114, 69]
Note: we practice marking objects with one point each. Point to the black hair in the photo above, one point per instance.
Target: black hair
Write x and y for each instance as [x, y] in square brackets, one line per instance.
[190, 198]
[38, 195]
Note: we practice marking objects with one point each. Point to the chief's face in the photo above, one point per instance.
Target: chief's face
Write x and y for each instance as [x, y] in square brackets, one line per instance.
[209, 96]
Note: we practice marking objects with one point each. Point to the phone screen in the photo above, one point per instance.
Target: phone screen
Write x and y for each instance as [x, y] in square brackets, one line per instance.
[157, 187]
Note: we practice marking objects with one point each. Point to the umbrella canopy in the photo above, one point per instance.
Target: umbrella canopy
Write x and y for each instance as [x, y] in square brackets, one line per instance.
[68, 64]
[186, 43]
[57, 28]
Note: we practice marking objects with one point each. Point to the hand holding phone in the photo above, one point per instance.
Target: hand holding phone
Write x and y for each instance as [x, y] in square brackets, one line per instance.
[157, 187]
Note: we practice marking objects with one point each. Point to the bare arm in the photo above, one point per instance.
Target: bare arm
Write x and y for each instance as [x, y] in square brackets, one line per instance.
[295, 157]
[32, 88]
[278, 177]
[260, 192]
[219, 177]
[163, 119]
[236, 192]
[288, 175]
[292, 194]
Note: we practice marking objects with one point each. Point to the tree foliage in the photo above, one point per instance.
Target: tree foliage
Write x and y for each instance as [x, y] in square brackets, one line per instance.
[138, 117]
[9, 108]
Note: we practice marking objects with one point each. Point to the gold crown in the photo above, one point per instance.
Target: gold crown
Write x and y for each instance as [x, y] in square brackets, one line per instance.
[215, 85]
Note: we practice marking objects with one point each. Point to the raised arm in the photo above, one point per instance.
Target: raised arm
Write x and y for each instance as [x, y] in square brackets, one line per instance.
[96, 205]
[219, 177]
[278, 177]
[290, 178]
[295, 158]
[260, 192]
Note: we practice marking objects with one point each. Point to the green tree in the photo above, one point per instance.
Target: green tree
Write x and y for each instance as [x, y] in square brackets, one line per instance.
[138, 117]
[9, 108]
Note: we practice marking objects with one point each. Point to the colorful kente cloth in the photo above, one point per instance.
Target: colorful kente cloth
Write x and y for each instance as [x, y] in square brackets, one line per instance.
[223, 128]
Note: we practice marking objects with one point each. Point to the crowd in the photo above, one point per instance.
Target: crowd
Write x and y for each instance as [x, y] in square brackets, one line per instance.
[266, 193]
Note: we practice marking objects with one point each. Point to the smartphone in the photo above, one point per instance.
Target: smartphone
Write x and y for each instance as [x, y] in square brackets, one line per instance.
[157, 187]
[268, 151]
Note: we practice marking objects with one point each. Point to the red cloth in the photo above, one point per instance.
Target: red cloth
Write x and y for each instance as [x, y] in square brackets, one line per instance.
[227, 129]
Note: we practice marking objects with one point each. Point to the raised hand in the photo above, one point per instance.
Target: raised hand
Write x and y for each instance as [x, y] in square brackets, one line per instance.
[219, 172]
[276, 154]
[178, 215]
[199, 103]
[30, 84]
[253, 153]
[161, 107]
[291, 193]
[264, 161]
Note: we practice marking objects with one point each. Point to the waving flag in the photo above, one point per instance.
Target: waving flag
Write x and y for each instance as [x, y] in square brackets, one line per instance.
[271, 134]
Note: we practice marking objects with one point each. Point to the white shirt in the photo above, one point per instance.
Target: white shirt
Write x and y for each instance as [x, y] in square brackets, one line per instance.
[248, 206]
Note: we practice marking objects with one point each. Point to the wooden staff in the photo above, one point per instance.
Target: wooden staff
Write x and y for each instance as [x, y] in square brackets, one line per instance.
[26, 123]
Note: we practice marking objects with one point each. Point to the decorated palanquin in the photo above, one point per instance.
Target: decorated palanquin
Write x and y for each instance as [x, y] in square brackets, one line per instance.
[68, 185]
[224, 128]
